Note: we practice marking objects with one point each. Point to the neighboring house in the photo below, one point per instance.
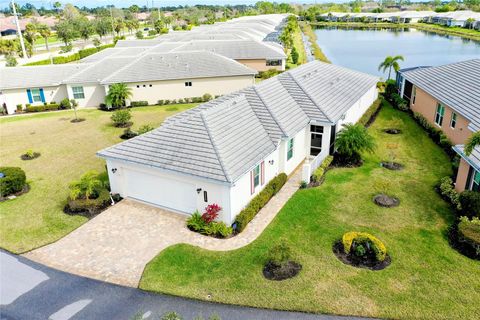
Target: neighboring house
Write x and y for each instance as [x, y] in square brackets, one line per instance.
[260, 56]
[152, 77]
[448, 97]
[225, 151]
[468, 176]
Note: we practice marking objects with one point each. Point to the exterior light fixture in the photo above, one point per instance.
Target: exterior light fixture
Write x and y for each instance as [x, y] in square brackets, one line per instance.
[271, 162]
[198, 190]
[114, 170]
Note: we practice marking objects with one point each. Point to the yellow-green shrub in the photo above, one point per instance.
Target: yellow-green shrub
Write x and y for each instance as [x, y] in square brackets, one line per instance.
[361, 237]
[320, 171]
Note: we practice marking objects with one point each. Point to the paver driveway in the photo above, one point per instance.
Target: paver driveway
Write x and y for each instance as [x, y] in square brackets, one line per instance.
[116, 245]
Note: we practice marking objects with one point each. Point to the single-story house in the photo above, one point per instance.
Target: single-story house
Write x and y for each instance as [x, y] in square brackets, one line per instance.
[257, 55]
[225, 151]
[152, 77]
[448, 97]
[468, 176]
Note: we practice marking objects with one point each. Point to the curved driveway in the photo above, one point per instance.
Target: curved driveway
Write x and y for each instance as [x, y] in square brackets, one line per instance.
[32, 291]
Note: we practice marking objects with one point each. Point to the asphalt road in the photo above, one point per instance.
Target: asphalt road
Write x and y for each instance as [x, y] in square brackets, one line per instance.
[32, 291]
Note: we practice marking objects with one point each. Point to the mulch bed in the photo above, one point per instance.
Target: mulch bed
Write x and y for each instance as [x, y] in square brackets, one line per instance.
[354, 261]
[25, 189]
[77, 120]
[275, 272]
[392, 131]
[128, 134]
[26, 157]
[340, 162]
[126, 125]
[392, 165]
[385, 201]
[462, 247]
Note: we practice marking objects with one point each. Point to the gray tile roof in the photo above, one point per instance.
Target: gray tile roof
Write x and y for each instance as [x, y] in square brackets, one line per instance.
[95, 72]
[457, 85]
[37, 76]
[180, 65]
[116, 52]
[138, 43]
[224, 138]
[235, 49]
[473, 159]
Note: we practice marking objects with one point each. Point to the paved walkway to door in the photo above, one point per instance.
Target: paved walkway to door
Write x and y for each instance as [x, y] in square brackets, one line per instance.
[116, 245]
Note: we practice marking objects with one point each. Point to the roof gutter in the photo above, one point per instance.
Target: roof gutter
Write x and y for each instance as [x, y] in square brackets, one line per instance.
[466, 158]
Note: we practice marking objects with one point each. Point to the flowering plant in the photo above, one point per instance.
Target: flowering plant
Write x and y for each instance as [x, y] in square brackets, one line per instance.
[211, 212]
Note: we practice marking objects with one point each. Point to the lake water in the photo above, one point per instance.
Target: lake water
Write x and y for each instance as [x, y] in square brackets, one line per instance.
[364, 50]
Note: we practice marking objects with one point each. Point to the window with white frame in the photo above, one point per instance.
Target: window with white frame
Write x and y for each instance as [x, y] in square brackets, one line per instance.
[274, 62]
[256, 176]
[475, 181]
[36, 95]
[439, 114]
[290, 149]
[316, 133]
[78, 92]
[188, 83]
[453, 121]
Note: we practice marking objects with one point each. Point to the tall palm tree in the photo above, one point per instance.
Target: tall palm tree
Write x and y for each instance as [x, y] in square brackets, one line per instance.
[117, 94]
[44, 32]
[389, 63]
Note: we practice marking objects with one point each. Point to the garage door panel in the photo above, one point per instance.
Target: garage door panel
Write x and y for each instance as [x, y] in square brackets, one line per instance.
[161, 191]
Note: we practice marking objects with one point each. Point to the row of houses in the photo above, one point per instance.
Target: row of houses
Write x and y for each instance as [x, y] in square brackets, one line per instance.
[448, 97]
[164, 68]
[463, 18]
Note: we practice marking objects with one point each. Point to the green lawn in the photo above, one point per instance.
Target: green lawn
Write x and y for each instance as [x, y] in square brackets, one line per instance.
[68, 150]
[426, 280]
[298, 44]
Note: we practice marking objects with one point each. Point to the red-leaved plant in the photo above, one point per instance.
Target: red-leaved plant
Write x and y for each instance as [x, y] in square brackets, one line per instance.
[211, 212]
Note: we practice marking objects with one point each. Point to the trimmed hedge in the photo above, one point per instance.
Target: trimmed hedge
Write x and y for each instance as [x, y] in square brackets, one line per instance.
[320, 171]
[260, 200]
[13, 181]
[73, 57]
[362, 237]
[371, 112]
[138, 104]
[447, 190]
[48, 107]
[435, 134]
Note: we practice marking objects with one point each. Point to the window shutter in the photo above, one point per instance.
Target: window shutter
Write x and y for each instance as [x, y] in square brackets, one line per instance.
[262, 173]
[29, 94]
[252, 182]
[42, 95]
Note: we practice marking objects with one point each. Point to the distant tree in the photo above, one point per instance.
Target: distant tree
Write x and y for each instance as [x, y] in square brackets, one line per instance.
[294, 55]
[119, 25]
[158, 25]
[10, 61]
[57, 5]
[45, 32]
[85, 28]
[66, 31]
[118, 93]
[30, 33]
[389, 63]
[134, 9]
[131, 25]
[103, 26]
[70, 12]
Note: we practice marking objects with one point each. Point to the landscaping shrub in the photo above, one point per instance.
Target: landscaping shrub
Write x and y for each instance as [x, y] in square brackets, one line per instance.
[469, 234]
[121, 118]
[145, 128]
[14, 180]
[206, 225]
[280, 253]
[447, 190]
[30, 108]
[260, 200]
[268, 74]
[89, 207]
[139, 34]
[399, 103]
[66, 59]
[19, 107]
[362, 243]
[138, 104]
[435, 134]
[351, 141]
[87, 52]
[211, 213]
[151, 33]
[65, 104]
[207, 97]
[279, 265]
[371, 112]
[320, 171]
[160, 102]
[30, 155]
[470, 204]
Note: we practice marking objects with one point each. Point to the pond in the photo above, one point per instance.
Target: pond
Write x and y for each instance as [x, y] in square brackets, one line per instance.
[365, 49]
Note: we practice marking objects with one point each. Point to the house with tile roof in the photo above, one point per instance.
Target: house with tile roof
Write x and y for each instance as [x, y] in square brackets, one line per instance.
[225, 151]
[151, 77]
[448, 96]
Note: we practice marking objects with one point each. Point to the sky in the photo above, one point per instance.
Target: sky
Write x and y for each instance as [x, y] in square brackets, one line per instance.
[127, 3]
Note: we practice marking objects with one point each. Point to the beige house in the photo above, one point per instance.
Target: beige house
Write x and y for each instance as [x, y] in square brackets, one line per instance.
[448, 97]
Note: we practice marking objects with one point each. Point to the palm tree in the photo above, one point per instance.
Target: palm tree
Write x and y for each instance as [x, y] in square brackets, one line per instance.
[87, 187]
[44, 32]
[117, 95]
[389, 63]
[472, 142]
[353, 139]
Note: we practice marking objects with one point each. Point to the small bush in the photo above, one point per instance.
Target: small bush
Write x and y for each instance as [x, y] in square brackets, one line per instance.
[134, 104]
[469, 233]
[447, 190]
[280, 253]
[121, 118]
[268, 74]
[139, 34]
[171, 316]
[65, 104]
[352, 240]
[435, 134]
[13, 181]
[88, 187]
[470, 204]
[88, 207]
[167, 101]
[30, 108]
[161, 102]
[151, 33]
[207, 97]
[197, 223]
[19, 107]
[260, 200]
[368, 116]
[211, 212]
[87, 52]
[29, 155]
[145, 128]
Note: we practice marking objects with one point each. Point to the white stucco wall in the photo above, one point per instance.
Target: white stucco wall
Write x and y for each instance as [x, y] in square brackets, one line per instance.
[12, 97]
[216, 192]
[356, 111]
[240, 193]
[176, 89]
[94, 94]
[299, 152]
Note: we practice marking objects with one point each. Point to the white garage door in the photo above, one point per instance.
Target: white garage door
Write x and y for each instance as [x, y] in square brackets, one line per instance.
[164, 192]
